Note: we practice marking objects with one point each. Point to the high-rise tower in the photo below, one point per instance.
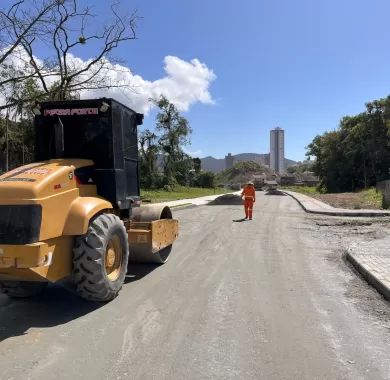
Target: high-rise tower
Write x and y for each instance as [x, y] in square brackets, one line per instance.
[277, 150]
[229, 161]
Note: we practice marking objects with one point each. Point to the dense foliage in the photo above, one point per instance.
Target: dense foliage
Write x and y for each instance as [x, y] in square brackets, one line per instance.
[301, 167]
[357, 154]
[163, 161]
[20, 143]
[205, 180]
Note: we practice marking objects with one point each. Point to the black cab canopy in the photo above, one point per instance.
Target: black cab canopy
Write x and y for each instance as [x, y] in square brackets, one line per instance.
[102, 130]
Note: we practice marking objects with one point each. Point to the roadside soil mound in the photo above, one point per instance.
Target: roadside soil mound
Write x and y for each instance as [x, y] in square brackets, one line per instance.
[227, 199]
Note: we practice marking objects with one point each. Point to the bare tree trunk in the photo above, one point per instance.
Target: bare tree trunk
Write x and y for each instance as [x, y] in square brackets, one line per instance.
[21, 121]
[6, 142]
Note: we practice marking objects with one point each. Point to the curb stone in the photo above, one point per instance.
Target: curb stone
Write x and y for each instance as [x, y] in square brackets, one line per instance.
[379, 284]
[369, 259]
[192, 202]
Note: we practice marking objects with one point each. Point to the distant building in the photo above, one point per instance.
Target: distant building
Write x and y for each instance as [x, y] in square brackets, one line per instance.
[277, 150]
[229, 161]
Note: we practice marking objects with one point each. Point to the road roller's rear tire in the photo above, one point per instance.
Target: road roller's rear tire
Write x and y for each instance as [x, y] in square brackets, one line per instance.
[22, 289]
[100, 259]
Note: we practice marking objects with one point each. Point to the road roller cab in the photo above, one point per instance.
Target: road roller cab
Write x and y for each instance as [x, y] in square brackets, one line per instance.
[75, 213]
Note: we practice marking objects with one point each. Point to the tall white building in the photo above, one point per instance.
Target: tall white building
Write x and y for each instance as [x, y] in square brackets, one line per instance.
[276, 156]
[229, 161]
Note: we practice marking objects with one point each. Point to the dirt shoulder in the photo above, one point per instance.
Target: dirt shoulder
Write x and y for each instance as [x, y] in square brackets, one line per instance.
[366, 199]
[339, 233]
[348, 200]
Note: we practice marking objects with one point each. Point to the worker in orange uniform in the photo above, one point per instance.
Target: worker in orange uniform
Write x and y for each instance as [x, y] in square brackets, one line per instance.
[249, 196]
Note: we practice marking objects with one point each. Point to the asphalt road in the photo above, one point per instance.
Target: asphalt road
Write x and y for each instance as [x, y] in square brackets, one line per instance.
[260, 299]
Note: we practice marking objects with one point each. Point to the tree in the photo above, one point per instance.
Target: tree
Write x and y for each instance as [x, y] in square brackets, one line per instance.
[357, 154]
[327, 152]
[16, 129]
[301, 167]
[64, 27]
[148, 156]
[164, 149]
[22, 22]
[175, 132]
[19, 140]
[206, 180]
[197, 164]
[182, 170]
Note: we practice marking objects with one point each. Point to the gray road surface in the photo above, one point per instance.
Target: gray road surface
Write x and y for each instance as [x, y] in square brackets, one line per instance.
[266, 299]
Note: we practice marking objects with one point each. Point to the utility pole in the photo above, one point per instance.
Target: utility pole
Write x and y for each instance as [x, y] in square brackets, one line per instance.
[6, 141]
[20, 107]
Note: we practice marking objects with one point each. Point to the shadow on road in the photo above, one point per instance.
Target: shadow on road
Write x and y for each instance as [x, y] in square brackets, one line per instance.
[55, 306]
[227, 200]
[240, 220]
[136, 272]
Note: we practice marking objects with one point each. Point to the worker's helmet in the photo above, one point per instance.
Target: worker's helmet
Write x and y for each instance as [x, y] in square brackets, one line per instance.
[250, 183]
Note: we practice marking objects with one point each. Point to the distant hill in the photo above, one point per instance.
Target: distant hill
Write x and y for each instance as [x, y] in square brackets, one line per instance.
[212, 164]
[216, 165]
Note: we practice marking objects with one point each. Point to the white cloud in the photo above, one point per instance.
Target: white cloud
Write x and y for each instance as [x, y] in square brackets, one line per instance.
[185, 84]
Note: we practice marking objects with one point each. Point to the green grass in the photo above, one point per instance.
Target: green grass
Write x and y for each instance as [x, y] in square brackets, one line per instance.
[362, 199]
[372, 197]
[180, 192]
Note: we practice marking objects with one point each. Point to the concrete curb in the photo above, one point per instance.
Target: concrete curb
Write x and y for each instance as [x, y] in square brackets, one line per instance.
[337, 212]
[370, 277]
[189, 203]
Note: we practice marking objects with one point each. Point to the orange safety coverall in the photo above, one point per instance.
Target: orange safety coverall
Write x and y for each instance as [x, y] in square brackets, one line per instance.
[249, 196]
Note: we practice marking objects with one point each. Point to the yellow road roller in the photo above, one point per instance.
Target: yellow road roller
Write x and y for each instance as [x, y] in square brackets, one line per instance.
[75, 212]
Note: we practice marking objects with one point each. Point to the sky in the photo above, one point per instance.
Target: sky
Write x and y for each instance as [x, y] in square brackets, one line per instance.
[237, 69]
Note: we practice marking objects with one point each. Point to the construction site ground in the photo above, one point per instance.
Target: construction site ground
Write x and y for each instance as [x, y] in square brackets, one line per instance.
[271, 298]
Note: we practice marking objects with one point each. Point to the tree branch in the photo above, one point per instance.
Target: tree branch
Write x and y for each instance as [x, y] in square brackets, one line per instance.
[10, 16]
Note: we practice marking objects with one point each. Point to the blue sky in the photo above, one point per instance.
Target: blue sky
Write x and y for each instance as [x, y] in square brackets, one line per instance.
[300, 64]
